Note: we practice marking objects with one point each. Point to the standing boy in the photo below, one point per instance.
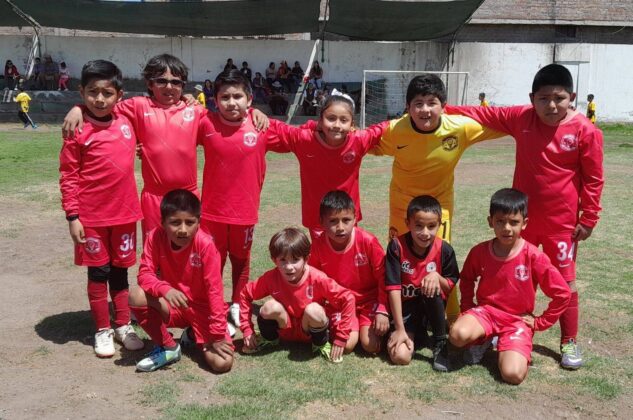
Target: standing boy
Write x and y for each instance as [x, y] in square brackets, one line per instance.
[356, 260]
[100, 199]
[180, 286]
[591, 108]
[23, 100]
[507, 271]
[559, 166]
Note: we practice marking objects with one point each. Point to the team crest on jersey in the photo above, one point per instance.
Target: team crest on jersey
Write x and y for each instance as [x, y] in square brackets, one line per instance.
[360, 259]
[406, 267]
[431, 267]
[309, 292]
[93, 245]
[188, 114]
[521, 273]
[349, 157]
[569, 142]
[250, 139]
[195, 260]
[449, 143]
[125, 130]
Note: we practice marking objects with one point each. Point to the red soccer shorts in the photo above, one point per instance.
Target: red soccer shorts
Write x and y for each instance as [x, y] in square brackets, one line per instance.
[197, 319]
[294, 331]
[110, 244]
[363, 316]
[560, 249]
[236, 240]
[513, 333]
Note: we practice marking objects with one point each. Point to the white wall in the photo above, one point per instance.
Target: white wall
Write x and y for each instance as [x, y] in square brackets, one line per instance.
[503, 70]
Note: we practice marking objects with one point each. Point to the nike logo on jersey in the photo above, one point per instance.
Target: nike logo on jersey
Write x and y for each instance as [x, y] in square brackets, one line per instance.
[126, 255]
[401, 147]
[147, 114]
[564, 265]
[89, 141]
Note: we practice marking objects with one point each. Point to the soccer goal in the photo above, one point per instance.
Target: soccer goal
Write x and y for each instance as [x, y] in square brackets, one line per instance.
[384, 92]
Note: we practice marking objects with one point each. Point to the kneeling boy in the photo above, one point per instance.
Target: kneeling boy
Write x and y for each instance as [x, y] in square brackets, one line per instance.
[305, 306]
[180, 286]
[421, 271]
[509, 269]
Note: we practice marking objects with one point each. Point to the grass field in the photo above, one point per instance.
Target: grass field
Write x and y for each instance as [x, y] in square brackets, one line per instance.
[291, 382]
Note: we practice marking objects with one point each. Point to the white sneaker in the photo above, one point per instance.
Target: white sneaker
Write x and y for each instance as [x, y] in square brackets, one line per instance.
[104, 343]
[234, 314]
[127, 336]
[231, 329]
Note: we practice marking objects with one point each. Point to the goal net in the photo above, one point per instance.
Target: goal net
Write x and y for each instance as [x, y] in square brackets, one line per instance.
[384, 92]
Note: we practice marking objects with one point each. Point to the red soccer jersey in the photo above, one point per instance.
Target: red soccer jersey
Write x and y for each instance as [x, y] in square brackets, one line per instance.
[234, 169]
[324, 168]
[315, 286]
[194, 270]
[168, 135]
[405, 270]
[360, 267]
[510, 283]
[97, 174]
[559, 168]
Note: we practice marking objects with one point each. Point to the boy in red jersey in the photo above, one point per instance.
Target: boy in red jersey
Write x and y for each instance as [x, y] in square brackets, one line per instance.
[507, 271]
[305, 306]
[421, 271]
[100, 199]
[559, 166]
[356, 260]
[180, 286]
[233, 177]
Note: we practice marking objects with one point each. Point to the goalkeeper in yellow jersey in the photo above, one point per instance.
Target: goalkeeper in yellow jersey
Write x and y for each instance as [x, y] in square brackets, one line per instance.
[591, 108]
[426, 146]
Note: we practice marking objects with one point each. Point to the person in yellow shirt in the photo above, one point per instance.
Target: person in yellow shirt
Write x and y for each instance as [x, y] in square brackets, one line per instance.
[23, 100]
[482, 99]
[201, 97]
[426, 146]
[591, 108]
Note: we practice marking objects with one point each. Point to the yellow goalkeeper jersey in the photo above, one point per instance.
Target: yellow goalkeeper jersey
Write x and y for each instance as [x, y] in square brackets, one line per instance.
[424, 163]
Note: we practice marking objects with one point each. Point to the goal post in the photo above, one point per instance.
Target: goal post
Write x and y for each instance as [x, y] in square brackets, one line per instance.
[384, 92]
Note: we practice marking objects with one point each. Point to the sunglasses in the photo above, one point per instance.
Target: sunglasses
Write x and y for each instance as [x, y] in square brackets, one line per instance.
[162, 82]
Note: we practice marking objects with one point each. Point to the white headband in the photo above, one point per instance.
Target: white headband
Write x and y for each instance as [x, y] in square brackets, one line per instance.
[344, 95]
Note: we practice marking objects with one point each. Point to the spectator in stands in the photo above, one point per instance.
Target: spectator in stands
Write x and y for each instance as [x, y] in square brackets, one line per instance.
[284, 76]
[297, 74]
[229, 65]
[271, 74]
[321, 97]
[278, 102]
[316, 75]
[309, 103]
[247, 72]
[259, 88]
[35, 76]
[11, 75]
[64, 76]
[49, 77]
[207, 89]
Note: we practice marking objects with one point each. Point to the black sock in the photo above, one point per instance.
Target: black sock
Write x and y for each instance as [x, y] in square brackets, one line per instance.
[320, 336]
[435, 313]
[268, 328]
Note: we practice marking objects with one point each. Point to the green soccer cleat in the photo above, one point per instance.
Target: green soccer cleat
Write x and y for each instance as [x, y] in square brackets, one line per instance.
[326, 352]
[571, 357]
[158, 358]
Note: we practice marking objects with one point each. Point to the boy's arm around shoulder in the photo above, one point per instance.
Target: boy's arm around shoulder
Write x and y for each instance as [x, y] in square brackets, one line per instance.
[147, 278]
[215, 292]
[254, 290]
[341, 300]
[385, 144]
[282, 137]
[501, 119]
[553, 286]
[592, 175]
[69, 167]
[370, 137]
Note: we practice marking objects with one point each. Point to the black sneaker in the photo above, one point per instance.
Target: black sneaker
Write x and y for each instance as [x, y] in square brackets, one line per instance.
[440, 356]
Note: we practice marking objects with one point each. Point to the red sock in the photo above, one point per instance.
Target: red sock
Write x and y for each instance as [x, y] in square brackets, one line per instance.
[152, 323]
[569, 320]
[98, 298]
[121, 307]
[240, 269]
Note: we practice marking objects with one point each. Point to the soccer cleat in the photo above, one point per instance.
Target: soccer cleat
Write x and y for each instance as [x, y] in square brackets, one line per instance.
[262, 344]
[127, 336]
[158, 358]
[571, 358]
[234, 314]
[326, 352]
[474, 354]
[185, 340]
[104, 343]
[440, 356]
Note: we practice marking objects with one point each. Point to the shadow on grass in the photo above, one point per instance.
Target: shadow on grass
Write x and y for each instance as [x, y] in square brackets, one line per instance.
[547, 352]
[66, 327]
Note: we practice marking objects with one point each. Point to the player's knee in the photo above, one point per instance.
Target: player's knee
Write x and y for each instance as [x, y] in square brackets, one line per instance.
[371, 346]
[118, 278]
[99, 274]
[458, 335]
[217, 363]
[350, 345]
[513, 374]
[271, 309]
[315, 314]
[401, 358]
[136, 297]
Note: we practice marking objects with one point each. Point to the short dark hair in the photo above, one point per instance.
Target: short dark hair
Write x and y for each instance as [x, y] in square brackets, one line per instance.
[553, 75]
[291, 242]
[179, 200]
[424, 203]
[232, 77]
[509, 201]
[426, 84]
[336, 201]
[338, 99]
[590, 96]
[101, 70]
[159, 64]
